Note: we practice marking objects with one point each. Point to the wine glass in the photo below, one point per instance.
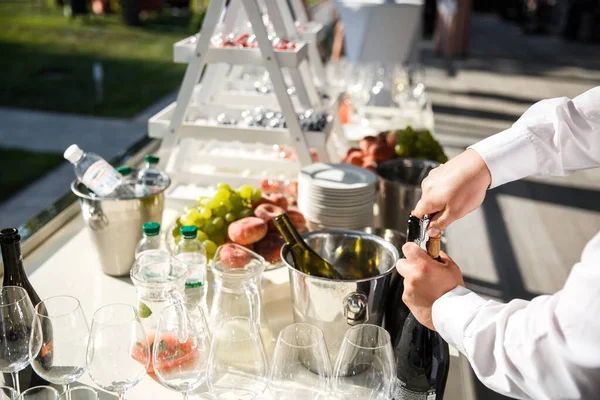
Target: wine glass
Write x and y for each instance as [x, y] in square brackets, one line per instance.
[118, 353]
[59, 340]
[8, 393]
[365, 368]
[80, 393]
[40, 393]
[300, 368]
[182, 344]
[237, 364]
[16, 320]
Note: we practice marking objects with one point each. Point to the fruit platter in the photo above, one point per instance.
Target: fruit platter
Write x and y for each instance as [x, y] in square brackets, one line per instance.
[243, 216]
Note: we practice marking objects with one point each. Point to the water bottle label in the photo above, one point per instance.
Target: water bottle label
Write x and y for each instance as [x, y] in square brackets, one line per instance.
[101, 178]
[403, 393]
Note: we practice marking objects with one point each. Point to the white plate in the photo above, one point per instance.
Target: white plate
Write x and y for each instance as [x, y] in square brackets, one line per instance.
[337, 176]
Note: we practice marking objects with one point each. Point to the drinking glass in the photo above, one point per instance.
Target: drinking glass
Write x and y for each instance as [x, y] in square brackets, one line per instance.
[59, 340]
[118, 353]
[80, 393]
[180, 354]
[300, 368]
[40, 393]
[16, 319]
[237, 364]
[364, 368]
[8, 393]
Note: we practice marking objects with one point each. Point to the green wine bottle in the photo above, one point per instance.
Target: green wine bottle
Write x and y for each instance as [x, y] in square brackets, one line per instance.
[305, 259]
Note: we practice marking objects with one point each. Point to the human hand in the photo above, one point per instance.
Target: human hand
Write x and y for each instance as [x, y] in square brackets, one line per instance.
[426, 280]
[453, 190]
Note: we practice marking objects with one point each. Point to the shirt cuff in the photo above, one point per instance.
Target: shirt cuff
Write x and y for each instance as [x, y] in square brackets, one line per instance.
[510, 155]
[452, 312]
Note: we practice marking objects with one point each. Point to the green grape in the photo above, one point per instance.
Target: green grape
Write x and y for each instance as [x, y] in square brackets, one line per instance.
[224, 186]
[202, 201]
[187, 209]
[181, 220]
[210, 247]
[175, 232]
[246, 212]
[256, 195]
[230, 217]
[222, 195]
[206, 213]
[220, 211]
[219, 223]
[236, 201]
[202, 236]
[208, 228]
[245, 191]
[213, 203]
[188, 219]
[218, 238]
[227, 204]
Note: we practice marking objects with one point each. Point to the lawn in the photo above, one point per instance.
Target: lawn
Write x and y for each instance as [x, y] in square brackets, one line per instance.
[47, 60]
[18, 168]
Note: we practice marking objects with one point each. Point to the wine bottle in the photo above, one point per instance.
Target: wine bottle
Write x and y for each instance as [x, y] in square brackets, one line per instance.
[14, 275]
[422, 355]
[305, 259]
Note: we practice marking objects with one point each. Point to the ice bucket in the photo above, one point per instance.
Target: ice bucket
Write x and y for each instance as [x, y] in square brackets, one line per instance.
[336, 305]
[115, 225]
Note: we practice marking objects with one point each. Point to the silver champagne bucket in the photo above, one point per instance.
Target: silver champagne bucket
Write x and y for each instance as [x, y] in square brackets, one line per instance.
[115, 225]
[336, 305]
[399, 190]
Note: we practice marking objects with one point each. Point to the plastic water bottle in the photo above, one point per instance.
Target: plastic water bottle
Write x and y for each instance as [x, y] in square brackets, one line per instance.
[150, 240]
[148, 177]
[96, 173]
[191, 252]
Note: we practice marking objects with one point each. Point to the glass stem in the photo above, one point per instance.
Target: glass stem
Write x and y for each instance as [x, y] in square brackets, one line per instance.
[66, 389]
[185, 395]
[15, 379]
[122, 396]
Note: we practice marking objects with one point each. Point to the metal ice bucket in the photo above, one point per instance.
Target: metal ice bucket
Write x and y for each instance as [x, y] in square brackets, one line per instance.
[399, 190]
[115, 225]
[336, 305]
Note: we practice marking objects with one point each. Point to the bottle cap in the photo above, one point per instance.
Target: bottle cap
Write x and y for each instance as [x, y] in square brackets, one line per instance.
[151, 228]
[9, 235]
[126, 170]
[189, 231]
[73, 153]
[152, 159]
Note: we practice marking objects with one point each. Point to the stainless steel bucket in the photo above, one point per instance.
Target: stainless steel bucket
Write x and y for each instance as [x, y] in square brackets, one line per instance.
[115, 225]
[399, 190]
[336, 305]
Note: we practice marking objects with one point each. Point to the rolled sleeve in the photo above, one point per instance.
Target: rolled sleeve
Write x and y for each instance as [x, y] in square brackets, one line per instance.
[510, 155]
[452, 312]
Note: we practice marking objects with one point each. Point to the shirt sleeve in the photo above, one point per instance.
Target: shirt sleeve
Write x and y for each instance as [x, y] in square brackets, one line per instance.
[553, 138]
[547, 348]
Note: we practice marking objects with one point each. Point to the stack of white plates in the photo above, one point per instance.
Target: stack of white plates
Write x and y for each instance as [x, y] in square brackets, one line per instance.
[337, 196]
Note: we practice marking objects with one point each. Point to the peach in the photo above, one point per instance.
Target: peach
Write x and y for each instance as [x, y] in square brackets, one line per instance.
[298, 220]
[353, 150]
[267, 212]
[278, 199]
[233, 256]
[381, 152]
[391, 139]
[247, 230]
[366, 142]
[355, 158]
[270, 247]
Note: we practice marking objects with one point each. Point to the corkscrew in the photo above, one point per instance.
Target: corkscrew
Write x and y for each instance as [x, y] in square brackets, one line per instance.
[417, 233]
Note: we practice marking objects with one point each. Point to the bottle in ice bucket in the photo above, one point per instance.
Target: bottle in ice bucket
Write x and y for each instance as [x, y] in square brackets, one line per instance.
[192, 253]
[96, 173]
[148, 177]
[150, 240]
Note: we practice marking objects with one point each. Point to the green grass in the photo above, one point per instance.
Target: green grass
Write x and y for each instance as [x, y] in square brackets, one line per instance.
[46, 60]
[18, 168]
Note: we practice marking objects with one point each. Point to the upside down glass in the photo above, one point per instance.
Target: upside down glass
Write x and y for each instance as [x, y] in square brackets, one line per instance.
[40, 393]
[8, 393]
[16, 320]
[80, 393]
[365, 368]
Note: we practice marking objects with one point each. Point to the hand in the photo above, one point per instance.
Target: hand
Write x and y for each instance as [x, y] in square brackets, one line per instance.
[426, 280]
[453, 190]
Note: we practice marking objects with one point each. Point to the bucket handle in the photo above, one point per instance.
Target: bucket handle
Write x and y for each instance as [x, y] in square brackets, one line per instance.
[356, 308]
[95, 218]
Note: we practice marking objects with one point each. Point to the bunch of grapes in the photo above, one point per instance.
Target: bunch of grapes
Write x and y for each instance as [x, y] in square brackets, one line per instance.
[213, 214]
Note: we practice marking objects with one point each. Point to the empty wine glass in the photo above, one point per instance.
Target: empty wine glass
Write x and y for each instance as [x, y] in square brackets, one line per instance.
[118, 352]
[300, 368]
[16, 319]
[364, 368]
[80, 393]
[180, 354]
[8, 393]
[59, 340]
[237, 364]
[40, 393]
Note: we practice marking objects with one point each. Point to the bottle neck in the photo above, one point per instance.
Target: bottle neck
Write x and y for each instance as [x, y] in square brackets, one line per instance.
[288, 232]
[13, 262]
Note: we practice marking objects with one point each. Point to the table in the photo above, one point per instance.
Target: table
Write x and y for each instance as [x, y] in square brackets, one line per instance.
[67, 264]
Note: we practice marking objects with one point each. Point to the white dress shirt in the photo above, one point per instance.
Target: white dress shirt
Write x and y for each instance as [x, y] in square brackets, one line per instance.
[547, 348]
